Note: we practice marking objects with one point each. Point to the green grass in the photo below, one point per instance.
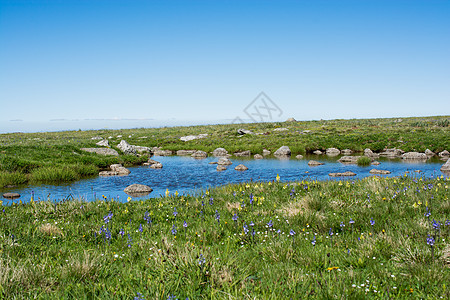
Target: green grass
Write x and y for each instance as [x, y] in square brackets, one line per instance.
[59, 251]
[363, 161]
[12, 178]
[28, 152]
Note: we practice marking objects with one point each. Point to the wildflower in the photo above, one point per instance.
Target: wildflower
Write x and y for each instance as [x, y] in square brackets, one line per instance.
[130, 240]
[292, 232]
[174, 229]
[217, 217]
[447, 222]
[351, 221]
[436, 225]
[138, 297]
[245, 229]
[234, 218]
[430, 241]
[251, 199]
[330, 232]
[147, 218]
[175, 213]
[313, 242]
[140, 228]
[270, 224]
[211, 201]
[372, 222]
[107, 218]
[167, 193]
[278, 178]
[292, 194]
[427, 214]
[185, 224]
[342, 225]
[121, 232]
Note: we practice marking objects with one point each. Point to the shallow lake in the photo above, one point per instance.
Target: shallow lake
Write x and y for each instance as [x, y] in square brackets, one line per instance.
[189, 175]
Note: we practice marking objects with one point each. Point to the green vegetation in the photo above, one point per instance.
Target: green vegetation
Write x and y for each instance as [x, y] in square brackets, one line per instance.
[27, 153]
[363, 161]
[376, 238]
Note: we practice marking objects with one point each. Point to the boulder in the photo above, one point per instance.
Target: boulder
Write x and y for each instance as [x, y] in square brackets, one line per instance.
[349, 159]
[369, 153]
[108, 173]
[376, 163]
[244, 131]
[221, 168]
[160, 152]
[340, 174]
[220, 152]
[415, 156]
[346, 152]
[379, 172]
[258, 156]
[126, 148]
[393, 152]
[446, 167]
[280, 129]
[119, 169]
[291, 120]
[283, 151]
[156, 165]
[444, 153]
[101, 151]
[199, 154]
[104, 143]
[241, 167]
[141, 149]
[313, 163]
[138, 190]
[193, 137]
[332, 152]
[299, 156]
[96, 138]
[266, 152]
[11, 195]
[429, 153]
[243, 153]
[185, 152]
[223, 161]
[318, 152]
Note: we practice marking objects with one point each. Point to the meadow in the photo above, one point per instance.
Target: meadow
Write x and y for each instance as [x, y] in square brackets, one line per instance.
[375, 238]
[55, 157]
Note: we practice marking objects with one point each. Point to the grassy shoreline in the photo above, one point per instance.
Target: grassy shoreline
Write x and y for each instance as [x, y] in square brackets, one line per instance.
[56, 156]
[360, 239]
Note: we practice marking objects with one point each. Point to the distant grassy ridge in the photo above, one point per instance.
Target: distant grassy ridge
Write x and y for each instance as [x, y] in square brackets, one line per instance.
[23, 154]
[375, 238]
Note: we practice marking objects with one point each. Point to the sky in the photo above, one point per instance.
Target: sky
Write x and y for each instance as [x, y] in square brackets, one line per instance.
[199, 61]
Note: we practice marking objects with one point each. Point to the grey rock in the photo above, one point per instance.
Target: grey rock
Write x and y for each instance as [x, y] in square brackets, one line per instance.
[258, 156]
[349, 159]
[121, 170]
[220, 152]
[108, 173]
[313, 163]
[379, 172]
[199, 154]
[244, 131]
[193, 137]
[346, 152]
[446, 167]
[291, 120]
[185, 152]
[429, 153]
[444, 153]
[156, 165]
[393, 152]
[243, 153]
[96, 138]
[241, 167]
[223, 161]
[318, 152]
[119, 136]
[376, 163]
[141, 149]
[160, 152]
[415, 156]
[299, 156]
[138, 190]
[266, 152]
[221, 168]
[280, 129]
[370, 153]
[283, 151]
[101, 151]
[340, 174]
[104, 143]
[11, 195]
[332, 152]
[126, 148]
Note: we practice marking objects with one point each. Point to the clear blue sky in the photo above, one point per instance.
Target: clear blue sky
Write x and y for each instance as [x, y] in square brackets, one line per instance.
[206, 60]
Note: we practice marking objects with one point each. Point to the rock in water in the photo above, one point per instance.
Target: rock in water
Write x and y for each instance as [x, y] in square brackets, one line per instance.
[221, 168]
[446, 167]
[283, 151]
[333, 152]
[199, 154]
[138, 190]
[318, 152]
[243, 153]
[313, 163]
[379, 172]
[299, 156]
[258, 156]
[224, 161]
[11, 195]
[415, 155]
[220, 152]
[241, 167]
[266, 152]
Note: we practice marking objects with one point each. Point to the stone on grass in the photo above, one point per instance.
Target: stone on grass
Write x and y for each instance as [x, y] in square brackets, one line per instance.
[101, 151]
[291, 120]
[283, 151]
[244, 131]
[104, 143]
[126, 148]
[185, 152]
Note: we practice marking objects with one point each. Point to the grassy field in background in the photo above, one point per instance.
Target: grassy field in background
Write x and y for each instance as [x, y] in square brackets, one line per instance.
[375, 238]
[54, 157]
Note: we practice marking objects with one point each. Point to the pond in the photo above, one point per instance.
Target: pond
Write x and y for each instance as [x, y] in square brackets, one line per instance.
[189, 175]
